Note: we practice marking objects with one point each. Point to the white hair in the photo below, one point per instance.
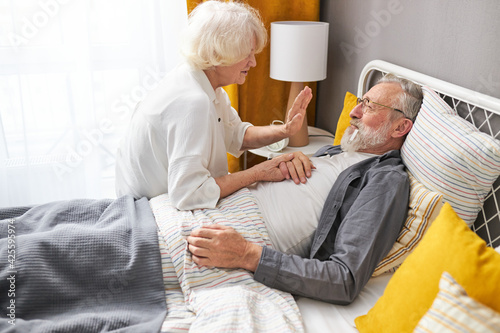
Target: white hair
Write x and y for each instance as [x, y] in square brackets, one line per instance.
[409, 102]
[221, 34]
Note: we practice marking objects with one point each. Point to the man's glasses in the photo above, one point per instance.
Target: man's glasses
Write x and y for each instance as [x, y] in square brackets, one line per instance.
[366, 105]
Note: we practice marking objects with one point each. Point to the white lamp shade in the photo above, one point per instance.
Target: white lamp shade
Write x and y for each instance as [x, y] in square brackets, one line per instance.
[299, 51]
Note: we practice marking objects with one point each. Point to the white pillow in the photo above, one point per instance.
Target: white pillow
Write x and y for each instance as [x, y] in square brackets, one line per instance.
[454, 311]
[447, 154]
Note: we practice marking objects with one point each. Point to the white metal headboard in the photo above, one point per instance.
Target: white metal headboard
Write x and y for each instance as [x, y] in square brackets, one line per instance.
[449, 89]
[481, 110]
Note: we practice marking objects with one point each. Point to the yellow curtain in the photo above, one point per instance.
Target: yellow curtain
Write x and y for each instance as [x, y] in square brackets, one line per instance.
[261, 99]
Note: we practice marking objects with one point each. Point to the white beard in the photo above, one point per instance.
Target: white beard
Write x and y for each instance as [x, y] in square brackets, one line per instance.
[366, 138]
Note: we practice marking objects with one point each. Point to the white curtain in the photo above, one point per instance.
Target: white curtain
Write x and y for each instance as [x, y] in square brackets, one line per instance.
[71, 73]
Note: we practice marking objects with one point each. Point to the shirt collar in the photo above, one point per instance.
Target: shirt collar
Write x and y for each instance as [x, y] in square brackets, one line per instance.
[202, 79]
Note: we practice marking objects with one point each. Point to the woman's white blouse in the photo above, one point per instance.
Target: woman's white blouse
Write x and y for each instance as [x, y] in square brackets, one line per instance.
[177, 141]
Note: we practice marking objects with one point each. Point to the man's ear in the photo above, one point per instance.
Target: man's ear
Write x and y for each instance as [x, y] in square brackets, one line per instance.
[403, 128]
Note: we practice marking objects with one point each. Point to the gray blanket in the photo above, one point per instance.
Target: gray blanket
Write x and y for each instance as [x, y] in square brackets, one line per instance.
[81, 266]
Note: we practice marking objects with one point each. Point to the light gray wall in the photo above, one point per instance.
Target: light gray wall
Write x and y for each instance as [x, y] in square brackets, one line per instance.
[454, 40]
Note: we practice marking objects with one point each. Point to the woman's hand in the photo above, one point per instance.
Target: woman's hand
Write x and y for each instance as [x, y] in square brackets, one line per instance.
[260, 136]
[297, 113]
[271, 170]
[296, 166]
[299, 168]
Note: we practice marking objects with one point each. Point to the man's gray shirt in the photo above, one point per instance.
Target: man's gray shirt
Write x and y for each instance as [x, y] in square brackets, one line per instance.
[361, 220]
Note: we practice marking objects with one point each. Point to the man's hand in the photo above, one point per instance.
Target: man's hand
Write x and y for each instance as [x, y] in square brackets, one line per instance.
[221, 246]
[297, 113]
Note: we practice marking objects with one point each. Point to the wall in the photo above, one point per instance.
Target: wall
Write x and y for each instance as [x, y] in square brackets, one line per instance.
[454, 40]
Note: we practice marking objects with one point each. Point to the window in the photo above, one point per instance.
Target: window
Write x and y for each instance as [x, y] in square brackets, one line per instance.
[71, 73]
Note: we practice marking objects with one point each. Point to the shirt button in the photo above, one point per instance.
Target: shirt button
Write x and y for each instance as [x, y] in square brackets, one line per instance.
[218, 120]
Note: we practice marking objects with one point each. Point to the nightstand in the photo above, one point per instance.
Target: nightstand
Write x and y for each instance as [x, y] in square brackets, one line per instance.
[317, 139]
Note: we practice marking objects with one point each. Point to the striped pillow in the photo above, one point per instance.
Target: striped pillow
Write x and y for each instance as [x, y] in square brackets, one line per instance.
[447, 154]
[424, 206]
[454, 311]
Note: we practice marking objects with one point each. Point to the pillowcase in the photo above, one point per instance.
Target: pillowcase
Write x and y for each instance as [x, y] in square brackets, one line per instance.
[454, 311]
[449, 245]
[424, 206]
[447, 154]
[344, 121]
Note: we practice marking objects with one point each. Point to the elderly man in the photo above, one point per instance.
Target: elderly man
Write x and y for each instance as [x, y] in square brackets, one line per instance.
[358, 220]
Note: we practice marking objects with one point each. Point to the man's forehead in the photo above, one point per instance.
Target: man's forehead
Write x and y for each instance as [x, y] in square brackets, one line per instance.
[384, 90]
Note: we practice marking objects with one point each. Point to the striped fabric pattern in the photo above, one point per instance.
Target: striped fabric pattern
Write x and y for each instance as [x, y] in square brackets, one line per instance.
[454, 311]
[179, 318]
[447, 154]
[424, 207]
[201, 299]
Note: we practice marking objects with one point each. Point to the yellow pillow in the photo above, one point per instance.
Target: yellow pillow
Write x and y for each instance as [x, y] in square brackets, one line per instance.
[344, 119]
[449, 245]
[424, 207]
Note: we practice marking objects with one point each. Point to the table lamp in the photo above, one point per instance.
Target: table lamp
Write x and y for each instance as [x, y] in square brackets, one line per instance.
[298, 54]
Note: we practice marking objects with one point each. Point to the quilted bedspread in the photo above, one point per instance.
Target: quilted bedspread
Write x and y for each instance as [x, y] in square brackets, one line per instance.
[81, 266]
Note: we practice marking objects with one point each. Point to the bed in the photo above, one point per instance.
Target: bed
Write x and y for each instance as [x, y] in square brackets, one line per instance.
[484, 113]
[105, 272]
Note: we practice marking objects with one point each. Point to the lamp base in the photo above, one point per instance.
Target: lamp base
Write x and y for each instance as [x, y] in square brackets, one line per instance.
[301, 138]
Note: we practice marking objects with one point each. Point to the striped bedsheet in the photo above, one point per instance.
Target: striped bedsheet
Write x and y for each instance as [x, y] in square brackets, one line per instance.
[202, 299]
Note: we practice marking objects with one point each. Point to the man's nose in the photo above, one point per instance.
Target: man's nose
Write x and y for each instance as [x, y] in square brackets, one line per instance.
[357, 112]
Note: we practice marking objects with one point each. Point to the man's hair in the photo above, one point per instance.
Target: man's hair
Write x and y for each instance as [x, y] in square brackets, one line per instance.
[410, 101]
[221, 34]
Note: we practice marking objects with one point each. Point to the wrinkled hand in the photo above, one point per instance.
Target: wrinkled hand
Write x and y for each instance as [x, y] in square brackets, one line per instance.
[270, 170]
[297, 113]
[299, 168]
[221, 246]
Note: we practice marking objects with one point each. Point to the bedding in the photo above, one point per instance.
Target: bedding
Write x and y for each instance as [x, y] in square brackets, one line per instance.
[447, 154]
[81, 266]
[320, 316]
[350, 101]
[91, 266]
[423, 208]
[222, 299]
[453, 310]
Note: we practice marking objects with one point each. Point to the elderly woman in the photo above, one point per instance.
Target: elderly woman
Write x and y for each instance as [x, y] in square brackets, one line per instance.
[180, 133]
